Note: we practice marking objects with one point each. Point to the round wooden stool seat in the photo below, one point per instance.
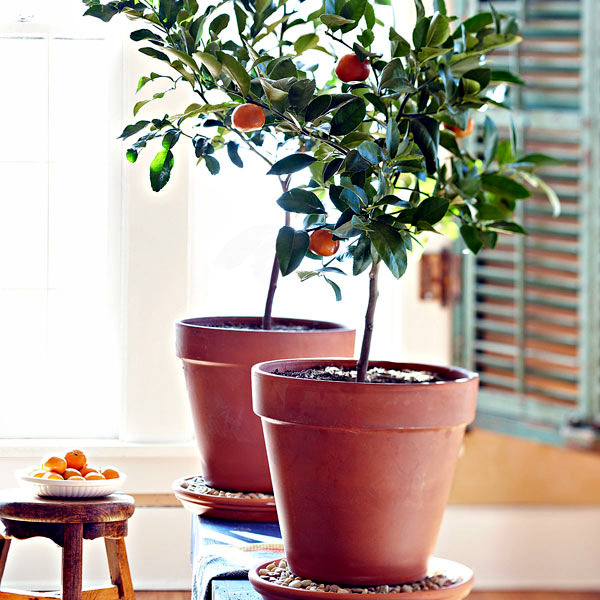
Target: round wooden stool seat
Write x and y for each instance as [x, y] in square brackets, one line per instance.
[22, 506]
[67, 523]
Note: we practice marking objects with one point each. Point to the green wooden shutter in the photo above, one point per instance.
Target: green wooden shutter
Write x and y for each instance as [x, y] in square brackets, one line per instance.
[529, 319]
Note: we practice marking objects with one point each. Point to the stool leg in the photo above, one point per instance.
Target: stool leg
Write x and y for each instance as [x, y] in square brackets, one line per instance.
[71, 561]
[119, 567]
[4, 546]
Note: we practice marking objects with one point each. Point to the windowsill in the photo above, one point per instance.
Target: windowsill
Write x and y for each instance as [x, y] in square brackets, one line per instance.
[102, 448]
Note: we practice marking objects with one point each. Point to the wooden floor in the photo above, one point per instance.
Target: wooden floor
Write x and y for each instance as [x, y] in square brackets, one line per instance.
[185, 595]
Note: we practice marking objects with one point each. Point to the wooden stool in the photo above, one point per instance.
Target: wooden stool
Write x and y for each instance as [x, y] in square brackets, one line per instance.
[68, 523]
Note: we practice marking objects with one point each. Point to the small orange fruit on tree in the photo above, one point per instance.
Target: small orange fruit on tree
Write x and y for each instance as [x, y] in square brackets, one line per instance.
[322, 243]
[76, 459]
[351, 68]
[462, 133]
[248, 117]
[55, 464]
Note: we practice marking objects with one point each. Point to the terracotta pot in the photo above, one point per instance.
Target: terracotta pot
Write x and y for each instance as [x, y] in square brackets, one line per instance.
[217, 363]
[361, 472]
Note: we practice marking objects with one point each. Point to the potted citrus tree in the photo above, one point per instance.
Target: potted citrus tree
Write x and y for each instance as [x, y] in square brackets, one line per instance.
[218, 352]
[362, 453]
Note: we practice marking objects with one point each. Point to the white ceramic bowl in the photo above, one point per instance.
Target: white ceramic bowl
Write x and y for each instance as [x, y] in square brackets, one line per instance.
[55, 488]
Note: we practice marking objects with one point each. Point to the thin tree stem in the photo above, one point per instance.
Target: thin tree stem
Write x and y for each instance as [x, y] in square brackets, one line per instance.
[267, 320]
[363, 361]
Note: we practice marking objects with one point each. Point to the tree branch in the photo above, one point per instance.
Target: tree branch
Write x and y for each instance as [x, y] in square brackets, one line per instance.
[363, 361]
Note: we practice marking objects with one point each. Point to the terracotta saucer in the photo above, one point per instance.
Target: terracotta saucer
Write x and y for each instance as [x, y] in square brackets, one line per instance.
[223, 507]
[453, 570]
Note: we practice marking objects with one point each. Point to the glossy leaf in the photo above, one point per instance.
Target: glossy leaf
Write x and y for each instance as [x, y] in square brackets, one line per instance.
[160, 169]
[348, 117]
[291, 247]
[291, 164]
[232, 152]
[303, 201]
[431, 210]
[390, 246]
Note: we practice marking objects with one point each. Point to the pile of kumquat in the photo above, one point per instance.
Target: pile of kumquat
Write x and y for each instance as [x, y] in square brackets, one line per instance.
[73, 467]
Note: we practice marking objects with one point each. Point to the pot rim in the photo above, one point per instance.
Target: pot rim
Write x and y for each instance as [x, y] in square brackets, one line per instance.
[211, 323]
[264, 369]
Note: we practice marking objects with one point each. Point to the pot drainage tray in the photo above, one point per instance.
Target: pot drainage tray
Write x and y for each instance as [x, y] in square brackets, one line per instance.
[446, 580]
[201, 499]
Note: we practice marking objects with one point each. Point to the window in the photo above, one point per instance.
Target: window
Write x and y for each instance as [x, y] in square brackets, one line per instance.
[529, 315]
[59, 228]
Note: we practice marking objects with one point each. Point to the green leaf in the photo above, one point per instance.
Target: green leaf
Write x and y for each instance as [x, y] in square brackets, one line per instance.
[431, 210]
[508, 226]
[394, 77]
[448, 141]
[273, 94]
[361, 255]
[399, 46]
[335, 21]
[291, 247]
[240, 17]
[154, 53]
[306, 42]
[210, 62]
[291, 164]
[355, 163]
[335, 287]
[420, 9]
[538, 160]
[212, 164]
[232, 152]
[131, 155]
[144, 34]
[553, 198]
[133, 129]
[420, 33]
[218, 24]
[301, 93]
[104, 12]
[139, 105]
[389, 244]
[348, 117]
[370, 151]
[317, 107]
[377, 102]
[392, 137]
[490, 141]
[504, 154]
[236, 72]
[496, 18]
[440, 6]
[470, 235]
[438, 32]
[478, 22]
[170, 138]
[160, 169]
[331, 168]
[507, 76]
[504, 187]
[425, 131]
[303, 201]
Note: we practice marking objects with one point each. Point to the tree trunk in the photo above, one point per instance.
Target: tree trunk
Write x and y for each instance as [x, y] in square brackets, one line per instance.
[365, 349]
[267, 320]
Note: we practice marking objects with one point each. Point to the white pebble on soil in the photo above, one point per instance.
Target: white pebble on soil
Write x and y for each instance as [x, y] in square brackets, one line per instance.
[279, 573]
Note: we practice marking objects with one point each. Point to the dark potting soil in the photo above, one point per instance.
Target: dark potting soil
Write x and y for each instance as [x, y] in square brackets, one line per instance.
[258, 327]
[374, 375]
